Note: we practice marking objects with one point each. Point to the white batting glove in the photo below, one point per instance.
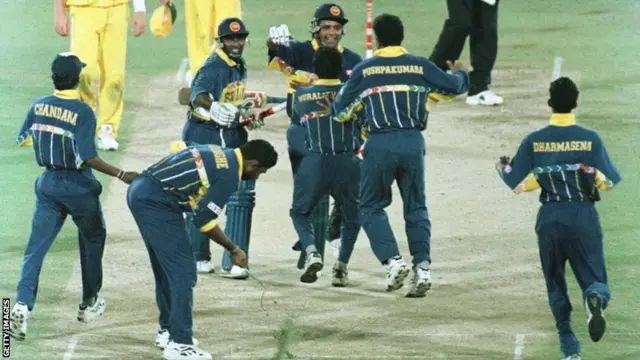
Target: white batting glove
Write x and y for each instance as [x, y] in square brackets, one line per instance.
[223, 114]
[280, 35]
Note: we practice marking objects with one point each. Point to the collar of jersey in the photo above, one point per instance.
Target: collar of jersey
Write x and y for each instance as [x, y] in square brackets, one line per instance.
[240, 162]
[327, 82]
[223, 55]
[563, 119]
[390, 51]
[315, 45]
[71, 94]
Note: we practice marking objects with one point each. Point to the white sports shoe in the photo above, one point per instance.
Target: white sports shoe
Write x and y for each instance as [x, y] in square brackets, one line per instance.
[106, 140]
[420, 282]
[312, 266]
[19, 316]
[205, 267]
[88, 313]
[595, 316]
[162, 339]
[487, 97]
[340, 275]
[236, 272]
[397, 271]
[573, 357]
[175, 351]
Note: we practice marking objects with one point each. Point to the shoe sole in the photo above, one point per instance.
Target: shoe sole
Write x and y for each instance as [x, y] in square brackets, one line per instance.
[597, 324]
[420, 290]
[339, 282]
[311, 274]
[14, 331]
[398, 282]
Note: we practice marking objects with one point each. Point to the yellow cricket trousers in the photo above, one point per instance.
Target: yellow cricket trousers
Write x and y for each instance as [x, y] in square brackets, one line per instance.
[99, 38]
[201, 21]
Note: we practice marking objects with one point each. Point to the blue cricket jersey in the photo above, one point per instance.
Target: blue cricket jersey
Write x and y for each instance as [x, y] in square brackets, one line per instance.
[393, 88]
[567, 161]
[324, 135]
[201, 178]
[62, 129]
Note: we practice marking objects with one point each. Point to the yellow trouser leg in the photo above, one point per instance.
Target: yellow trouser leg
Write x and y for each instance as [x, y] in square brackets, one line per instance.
[198, 22]
[86, 25]
[113, 53]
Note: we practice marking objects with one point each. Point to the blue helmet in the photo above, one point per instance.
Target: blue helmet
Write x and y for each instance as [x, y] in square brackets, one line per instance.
[327, 11]
[232, 26]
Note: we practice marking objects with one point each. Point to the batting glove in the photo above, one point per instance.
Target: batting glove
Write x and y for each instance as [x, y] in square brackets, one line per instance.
[251, 115]
[254, 99]
[280, 35]
[223, 114]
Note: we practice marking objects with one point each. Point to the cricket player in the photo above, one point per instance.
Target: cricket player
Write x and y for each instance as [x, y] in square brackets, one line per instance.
[393, 86]
[217, 101]
[201, 20]
[570, 164]
[327, 28]
[330, 167]
[478, 20]
[62, 129]
[98, 31]
[200, 179]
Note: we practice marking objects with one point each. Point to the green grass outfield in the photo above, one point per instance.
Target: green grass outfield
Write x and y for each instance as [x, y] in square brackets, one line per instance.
[596, 39]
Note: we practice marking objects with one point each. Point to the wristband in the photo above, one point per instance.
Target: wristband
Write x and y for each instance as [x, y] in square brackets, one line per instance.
[120, 175]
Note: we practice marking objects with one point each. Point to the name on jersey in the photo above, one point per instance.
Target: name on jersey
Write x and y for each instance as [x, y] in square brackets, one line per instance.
[56, 112]
[233, 93]
[315, 96]
[393, 70]
[560, 146]
[221, 159]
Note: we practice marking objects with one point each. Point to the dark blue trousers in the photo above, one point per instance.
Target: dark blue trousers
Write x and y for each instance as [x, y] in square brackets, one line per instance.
[162, 227]
[58, 194]
[209, 133]
[571, 232]
[318, 176]
[395, 156]
[298, 149]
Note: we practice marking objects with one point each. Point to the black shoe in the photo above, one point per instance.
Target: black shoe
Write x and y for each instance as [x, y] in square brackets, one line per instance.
[595, 316]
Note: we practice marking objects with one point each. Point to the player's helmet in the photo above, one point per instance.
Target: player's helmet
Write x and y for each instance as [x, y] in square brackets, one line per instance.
[327, 11]
[232, 26]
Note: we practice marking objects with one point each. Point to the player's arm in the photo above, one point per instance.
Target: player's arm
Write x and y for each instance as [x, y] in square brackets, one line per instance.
[607, 175]
[516, 172]
[205, 98]
[446, 86]
[206, 215]
[347, 101]
[87, 154]
[61, 19]
[25, 135]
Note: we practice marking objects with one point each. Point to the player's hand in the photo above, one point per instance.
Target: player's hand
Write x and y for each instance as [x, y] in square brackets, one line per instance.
[251, 117]
[223, 114]
[129, 176]
[239, 258]
[62, 24]
[505, 160]
[254, 99]
[139, 23]
[280, 35]
[457, 65]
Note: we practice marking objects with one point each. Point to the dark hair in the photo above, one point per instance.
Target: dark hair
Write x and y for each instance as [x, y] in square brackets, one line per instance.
[389, 30]
[563, 95]
[327, 63]
[65, 83]
[260, 150]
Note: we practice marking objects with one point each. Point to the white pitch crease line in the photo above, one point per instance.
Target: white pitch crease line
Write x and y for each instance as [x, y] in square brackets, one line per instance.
[519, 349]
[73, 341]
